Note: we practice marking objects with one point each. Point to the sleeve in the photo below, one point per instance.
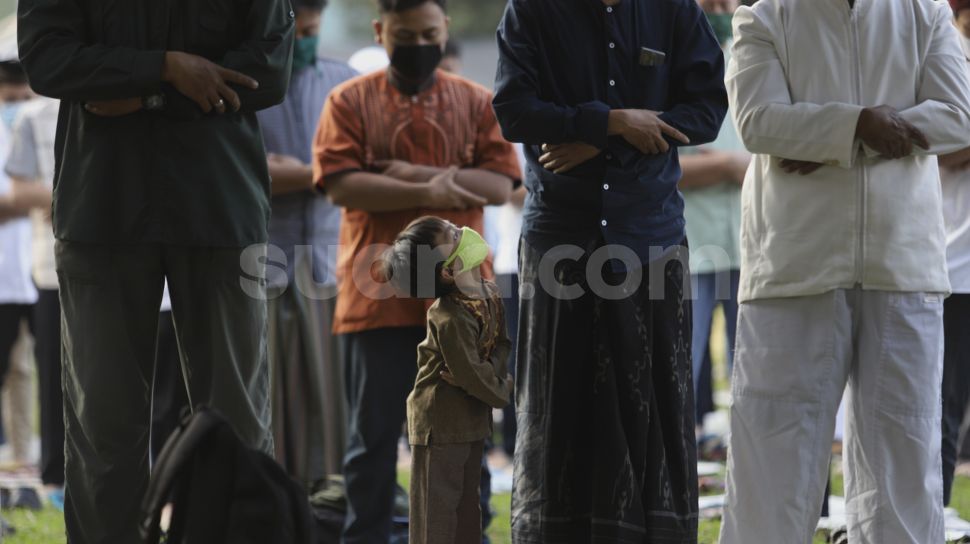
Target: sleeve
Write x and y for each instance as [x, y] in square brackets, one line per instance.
[942, 112]
[457, 335]
[523, 116]
[768, 122]
[266, 55]
[22, 162]
[492, 151]
[697, 78]
[338, 146]
[61, 63]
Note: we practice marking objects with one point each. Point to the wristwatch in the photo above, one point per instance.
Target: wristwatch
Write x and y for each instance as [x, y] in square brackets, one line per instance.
[153, 102]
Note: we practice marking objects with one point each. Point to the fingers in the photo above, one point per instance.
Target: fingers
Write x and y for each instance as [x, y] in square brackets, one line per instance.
[204, 103]
[565, 166]
[918, 138]
[808, 168]
[230, 97]
[217, 102]
[674, 133]
[232, 76]
[553, 160]
[803, 168]
[470, 199]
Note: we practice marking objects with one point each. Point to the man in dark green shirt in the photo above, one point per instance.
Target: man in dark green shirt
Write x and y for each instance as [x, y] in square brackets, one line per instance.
[160, 175]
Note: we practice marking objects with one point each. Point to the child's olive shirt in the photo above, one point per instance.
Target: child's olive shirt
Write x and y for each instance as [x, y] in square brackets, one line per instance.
[467, 337]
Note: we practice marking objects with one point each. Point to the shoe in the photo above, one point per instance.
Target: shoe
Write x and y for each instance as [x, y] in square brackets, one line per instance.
[56, 498]
[6, 529]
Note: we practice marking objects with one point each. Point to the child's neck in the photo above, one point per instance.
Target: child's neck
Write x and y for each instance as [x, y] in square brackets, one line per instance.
[471, 284]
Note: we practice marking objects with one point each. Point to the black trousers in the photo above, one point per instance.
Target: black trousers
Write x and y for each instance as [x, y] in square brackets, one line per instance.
[379, 371]
[110, 297]
[956, 382]
[12, 317]
[47, 353]
[510, 297]
[605, 449]
[169, 393]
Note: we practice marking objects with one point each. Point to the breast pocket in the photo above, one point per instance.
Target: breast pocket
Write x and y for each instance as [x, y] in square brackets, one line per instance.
[215, 26]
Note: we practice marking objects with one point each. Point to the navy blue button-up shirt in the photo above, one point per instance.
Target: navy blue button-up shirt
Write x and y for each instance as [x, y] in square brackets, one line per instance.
[564, 64]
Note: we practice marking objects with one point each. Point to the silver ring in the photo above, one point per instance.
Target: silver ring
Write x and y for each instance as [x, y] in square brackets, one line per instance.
[220, 103]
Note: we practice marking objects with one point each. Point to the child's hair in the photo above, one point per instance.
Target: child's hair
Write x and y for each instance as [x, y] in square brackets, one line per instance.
[407, 263]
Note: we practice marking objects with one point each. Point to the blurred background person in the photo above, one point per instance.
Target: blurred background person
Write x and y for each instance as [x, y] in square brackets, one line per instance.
[956, 308]
[711, 183]
[31, 167]
[17, 291]
[308, 405]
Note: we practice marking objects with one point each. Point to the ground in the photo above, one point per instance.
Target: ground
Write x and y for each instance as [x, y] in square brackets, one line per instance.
[47, 527]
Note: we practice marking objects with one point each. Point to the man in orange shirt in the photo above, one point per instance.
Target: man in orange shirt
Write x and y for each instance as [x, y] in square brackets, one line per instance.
[391, 147]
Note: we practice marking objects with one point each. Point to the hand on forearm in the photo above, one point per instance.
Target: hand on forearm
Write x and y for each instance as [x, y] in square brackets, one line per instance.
[204, 81]
[27, 195]
[563, 158]
[887, 133]
[494, 188]
[644, 130]
[379, 193]
[955, 161]
[289, 175]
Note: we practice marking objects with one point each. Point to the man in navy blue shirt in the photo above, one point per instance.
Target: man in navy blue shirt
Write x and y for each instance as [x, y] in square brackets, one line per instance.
[603, 92]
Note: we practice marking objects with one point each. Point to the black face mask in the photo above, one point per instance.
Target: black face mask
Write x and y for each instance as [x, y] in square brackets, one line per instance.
[416, 63]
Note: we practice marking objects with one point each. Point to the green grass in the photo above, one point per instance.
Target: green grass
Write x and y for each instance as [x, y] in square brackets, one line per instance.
[47, 527]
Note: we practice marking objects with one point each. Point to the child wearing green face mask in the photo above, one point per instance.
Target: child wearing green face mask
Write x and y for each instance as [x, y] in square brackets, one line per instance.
[462, 375]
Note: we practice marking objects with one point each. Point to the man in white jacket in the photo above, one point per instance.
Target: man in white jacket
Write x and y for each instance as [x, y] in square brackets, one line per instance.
[844, 105]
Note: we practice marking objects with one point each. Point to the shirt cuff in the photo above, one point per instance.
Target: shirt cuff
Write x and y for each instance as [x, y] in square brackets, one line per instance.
[146, 70]
[592, 124]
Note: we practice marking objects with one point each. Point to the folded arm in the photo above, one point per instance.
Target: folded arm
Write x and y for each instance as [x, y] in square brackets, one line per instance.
[697, 79]
[60, 63]
[942, 112]
[523, 116]
[457, 338]
[768, 121]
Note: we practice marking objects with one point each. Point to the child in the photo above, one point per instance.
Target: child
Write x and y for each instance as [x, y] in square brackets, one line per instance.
[462, 375]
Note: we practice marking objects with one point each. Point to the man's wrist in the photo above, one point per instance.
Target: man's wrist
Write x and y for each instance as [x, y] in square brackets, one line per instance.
[616, 124]
[424, 174]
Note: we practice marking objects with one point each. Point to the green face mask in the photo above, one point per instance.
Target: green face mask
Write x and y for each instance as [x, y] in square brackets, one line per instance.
[305, 52]
[721, 23]
[472, 248]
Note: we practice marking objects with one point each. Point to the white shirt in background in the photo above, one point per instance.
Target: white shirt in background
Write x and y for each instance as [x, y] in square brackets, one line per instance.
[16, 285]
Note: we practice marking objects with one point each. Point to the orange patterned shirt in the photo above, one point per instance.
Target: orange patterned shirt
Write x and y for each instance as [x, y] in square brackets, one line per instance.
[367, 120]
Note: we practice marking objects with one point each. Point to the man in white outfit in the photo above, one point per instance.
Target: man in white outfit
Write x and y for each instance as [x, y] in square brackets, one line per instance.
[844, 105]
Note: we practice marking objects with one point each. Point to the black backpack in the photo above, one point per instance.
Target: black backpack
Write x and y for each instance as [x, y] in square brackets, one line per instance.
[221, 491]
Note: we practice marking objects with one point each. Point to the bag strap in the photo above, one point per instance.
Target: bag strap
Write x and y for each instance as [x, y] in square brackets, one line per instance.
[176, 454]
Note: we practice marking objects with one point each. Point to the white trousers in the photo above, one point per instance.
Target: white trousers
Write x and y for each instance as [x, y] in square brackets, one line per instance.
[793, 360]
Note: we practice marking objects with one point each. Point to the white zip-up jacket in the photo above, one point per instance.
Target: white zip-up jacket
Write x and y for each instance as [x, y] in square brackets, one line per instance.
[801, 73]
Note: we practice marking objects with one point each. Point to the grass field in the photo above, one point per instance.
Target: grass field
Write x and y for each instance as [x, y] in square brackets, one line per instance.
[47, 527]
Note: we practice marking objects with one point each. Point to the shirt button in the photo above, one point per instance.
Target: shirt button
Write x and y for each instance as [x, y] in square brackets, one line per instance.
[609, 9]
[603, 222]
[612, 83]
[606, 186]
[612, 45]
[609, 156]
